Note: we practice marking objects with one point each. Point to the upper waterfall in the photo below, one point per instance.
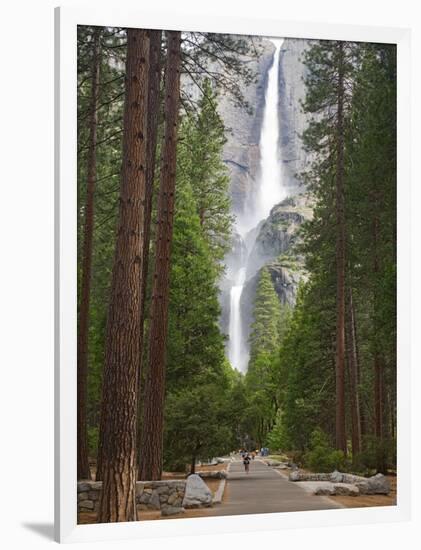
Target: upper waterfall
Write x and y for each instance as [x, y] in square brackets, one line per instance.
[269, 189]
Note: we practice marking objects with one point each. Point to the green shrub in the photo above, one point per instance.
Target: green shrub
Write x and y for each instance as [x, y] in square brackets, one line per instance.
[277, 439]
[321, 457]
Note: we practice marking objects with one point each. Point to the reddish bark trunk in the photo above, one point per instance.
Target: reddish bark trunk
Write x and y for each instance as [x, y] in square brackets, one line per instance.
[378, 361]
[378, 396]
[83, 471]
[353, 377]
[151, 455]
[122, 345]
[152, 133]
[193, 465]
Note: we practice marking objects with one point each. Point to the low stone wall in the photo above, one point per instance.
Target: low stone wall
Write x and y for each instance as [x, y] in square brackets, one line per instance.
[88, 496]
[166, 495]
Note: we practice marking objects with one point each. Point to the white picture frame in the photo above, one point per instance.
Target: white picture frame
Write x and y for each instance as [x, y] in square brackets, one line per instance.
[66, 21]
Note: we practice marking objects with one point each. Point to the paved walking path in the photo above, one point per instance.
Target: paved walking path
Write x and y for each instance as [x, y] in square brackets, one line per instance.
[265, 490]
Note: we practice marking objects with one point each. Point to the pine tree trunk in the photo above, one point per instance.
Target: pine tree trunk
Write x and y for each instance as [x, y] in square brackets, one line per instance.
[83, 471]
[122, 345]
[363, 422]
[153, 417]
[353, 376]
[377, 360]
[392, 413]
[152, 134]
[378, 395]
[340, 260]
[193, 465]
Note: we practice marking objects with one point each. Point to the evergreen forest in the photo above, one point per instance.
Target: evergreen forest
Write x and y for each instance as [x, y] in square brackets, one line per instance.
[155, 388]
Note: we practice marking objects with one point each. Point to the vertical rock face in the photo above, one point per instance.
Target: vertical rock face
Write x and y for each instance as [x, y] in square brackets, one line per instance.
[242, 123]
[278, 234]
[241, 151]
[292, 120]
[274, 248]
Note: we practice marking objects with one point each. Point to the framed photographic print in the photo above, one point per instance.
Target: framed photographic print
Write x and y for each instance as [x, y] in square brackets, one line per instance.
[232, 209]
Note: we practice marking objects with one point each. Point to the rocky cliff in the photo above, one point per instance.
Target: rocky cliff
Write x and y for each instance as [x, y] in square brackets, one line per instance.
[241, 152]
[275, 248]
[278, 234]
[292, 120]
[243, 124]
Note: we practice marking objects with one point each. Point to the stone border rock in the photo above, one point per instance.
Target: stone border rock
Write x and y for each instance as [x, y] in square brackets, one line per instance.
[375, 485]
[197, 493]
[212, 474]
[327, 488]
[219, 494]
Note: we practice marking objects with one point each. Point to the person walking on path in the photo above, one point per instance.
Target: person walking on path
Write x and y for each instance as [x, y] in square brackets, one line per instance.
[246, 462]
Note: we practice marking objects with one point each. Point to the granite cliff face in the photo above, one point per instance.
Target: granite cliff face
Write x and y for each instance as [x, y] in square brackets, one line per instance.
[278, 234]
[292, 120]
[241, 151]
[272, 242]
[275, 248]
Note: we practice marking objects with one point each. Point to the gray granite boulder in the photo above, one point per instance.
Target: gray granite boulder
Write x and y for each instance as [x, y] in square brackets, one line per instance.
[322, 488]
[294, 475]
[327, 488]
[375, 485]
[346, 489]
[336, 477]
[379, 485]
[197, 493]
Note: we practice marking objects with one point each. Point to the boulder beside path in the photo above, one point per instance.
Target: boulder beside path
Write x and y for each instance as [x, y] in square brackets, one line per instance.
[341, 483]
[198, 494]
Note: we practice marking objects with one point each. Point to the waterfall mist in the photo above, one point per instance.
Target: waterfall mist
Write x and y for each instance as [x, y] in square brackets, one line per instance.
[269, 192]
